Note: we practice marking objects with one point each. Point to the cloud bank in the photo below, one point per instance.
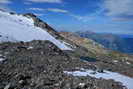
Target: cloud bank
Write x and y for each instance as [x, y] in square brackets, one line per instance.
[119, 9]
[4, 5]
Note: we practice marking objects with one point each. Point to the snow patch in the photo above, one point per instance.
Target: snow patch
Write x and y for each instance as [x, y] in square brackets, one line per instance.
[22, 28]
[6, 38]
[128, 63]
[30, 48]
[126, 81]
[69, 45]
[1, 58]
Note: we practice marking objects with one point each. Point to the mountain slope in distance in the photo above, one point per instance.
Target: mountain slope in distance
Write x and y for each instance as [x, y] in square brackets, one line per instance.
[110, 41]
[91, 45]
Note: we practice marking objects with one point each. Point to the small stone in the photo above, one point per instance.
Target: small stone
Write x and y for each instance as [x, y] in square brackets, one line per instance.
[100, 71]
[21, 81]
[81, 84]
[93, 72]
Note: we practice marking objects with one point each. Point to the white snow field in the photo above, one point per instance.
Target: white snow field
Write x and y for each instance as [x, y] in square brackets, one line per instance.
[4, 37]
[19, 28]
[126, 81]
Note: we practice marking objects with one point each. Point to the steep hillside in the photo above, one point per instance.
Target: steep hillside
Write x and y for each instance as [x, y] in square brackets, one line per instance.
[91, 45]
[95, 48]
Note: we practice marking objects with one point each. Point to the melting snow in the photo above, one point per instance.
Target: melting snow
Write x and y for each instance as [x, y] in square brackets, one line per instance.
[21, 28]
[1, 58]
[126, 81]
[30, 47]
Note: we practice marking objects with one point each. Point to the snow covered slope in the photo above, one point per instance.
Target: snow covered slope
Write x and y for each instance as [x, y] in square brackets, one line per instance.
[5, 38]
[19, 28]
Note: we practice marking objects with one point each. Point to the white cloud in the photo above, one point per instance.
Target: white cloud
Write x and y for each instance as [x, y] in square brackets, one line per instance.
[82, 18]
[36, 9]
[5, 8]
[119, 8]
[49, 9]
[46, 1]
[57, 10]
[5, 1]
[38, 14]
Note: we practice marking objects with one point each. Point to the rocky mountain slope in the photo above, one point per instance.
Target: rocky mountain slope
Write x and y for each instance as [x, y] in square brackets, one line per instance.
[110, 41]
[92, 46]
[34, 56]
[108, 59]
[41, 65]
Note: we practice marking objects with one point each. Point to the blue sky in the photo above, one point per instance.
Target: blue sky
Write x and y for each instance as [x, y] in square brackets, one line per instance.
[111, 16]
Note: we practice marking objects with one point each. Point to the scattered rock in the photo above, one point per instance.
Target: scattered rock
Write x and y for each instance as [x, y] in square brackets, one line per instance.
[42, 67]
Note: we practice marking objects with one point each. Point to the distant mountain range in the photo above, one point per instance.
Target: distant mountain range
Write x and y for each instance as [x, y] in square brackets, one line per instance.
[122, 43]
